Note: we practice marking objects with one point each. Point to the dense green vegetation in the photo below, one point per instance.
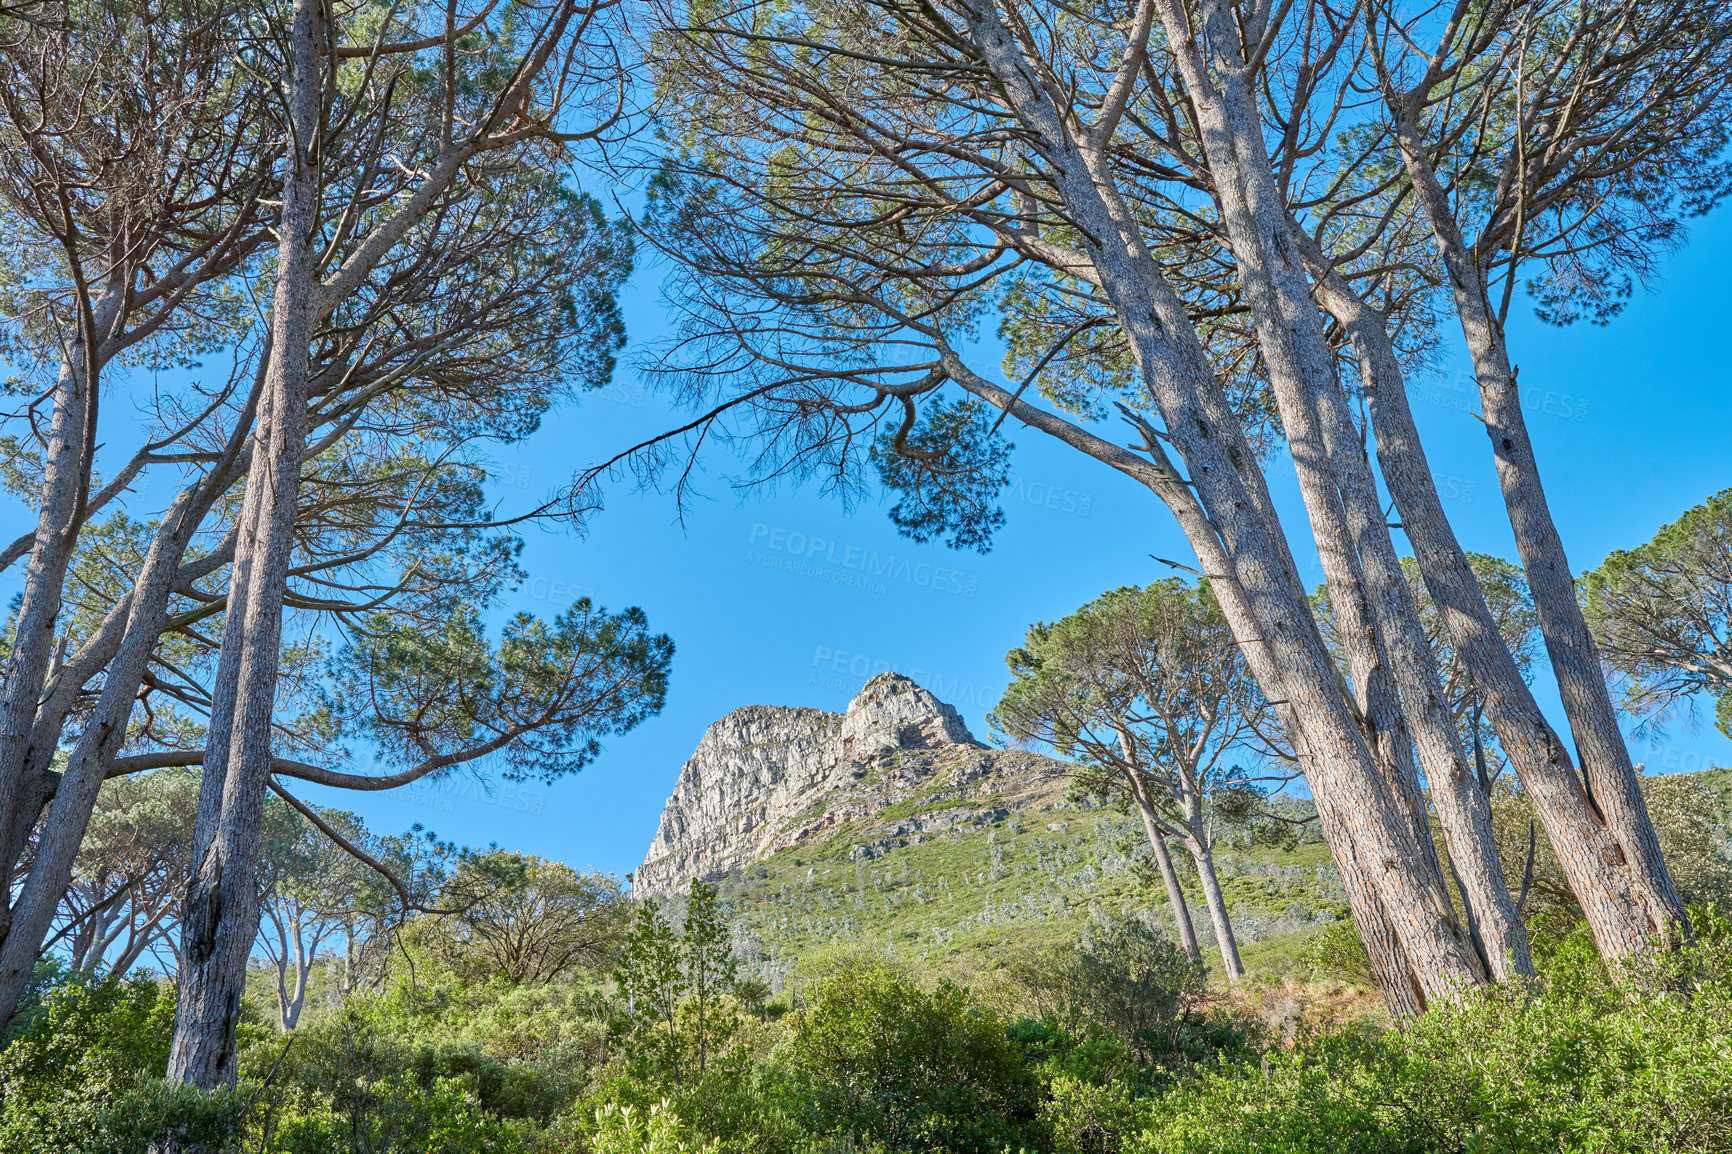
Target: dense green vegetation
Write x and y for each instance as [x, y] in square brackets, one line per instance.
[809, 1007]
[1109, 1044]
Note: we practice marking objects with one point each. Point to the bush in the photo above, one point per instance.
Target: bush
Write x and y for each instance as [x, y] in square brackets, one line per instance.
[82, 1063]
[1337, 951]
[1089, 1118]
[157, 1114]
[626, 1130]
[1128, 978]
[744, 1106]
[345, 1085]
[1583, 1061]
[877, 1057]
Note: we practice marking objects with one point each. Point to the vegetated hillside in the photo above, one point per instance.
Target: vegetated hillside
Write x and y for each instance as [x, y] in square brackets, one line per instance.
[960, 901]
[1720, 782]
[890, 828]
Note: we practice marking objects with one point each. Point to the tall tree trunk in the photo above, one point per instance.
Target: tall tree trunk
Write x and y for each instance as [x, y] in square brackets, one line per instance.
[65, 489]
[1396, 973]
[1613, 788]
[1217, 904]
[296, 956]
[1598, 871]
[1164, 859]
[220, 913]
[1462, 804]
[75, 793]
[1378, 623]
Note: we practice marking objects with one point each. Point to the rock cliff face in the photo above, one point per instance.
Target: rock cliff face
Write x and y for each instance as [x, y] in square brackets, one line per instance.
[765, 778]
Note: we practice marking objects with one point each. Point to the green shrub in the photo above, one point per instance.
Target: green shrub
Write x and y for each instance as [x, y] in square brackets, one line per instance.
[628, 1130]
[744, 1106]
[79, 1073]
[874, 1055]
[1093, 1118]
[345, 1085]
[1582, 1061]
[1131, 981]
[157, 1113]
[1336, 951]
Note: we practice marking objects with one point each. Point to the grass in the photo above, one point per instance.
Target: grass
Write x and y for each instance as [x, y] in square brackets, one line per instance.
[961, 903]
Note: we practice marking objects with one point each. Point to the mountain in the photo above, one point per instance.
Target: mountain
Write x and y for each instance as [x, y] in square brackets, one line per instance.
[898, 768]
[890, 827]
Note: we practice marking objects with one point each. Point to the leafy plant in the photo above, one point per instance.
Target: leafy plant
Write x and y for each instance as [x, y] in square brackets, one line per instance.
[877, 1056]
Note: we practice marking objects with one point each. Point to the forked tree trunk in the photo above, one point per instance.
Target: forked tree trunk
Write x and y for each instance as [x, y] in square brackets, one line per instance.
[221, 910]
[1602, 876]
[295, 957]
[1164, 859]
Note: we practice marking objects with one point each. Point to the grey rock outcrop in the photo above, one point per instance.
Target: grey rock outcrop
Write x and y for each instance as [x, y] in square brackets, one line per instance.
[765, 778]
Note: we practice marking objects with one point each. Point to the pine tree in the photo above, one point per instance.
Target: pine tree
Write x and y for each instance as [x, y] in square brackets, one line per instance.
[711, 969]
[652, 977]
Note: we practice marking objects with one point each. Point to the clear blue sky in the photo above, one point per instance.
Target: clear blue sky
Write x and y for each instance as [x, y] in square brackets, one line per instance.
[1631, 423]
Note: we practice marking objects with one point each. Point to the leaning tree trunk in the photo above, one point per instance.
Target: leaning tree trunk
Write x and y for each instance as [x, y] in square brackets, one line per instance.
[1164, 859]
[1614, 792]
[1394, 971]
[1378, 623]
[65, 489]
[1606, 880]
[75, 793]
[220, 912]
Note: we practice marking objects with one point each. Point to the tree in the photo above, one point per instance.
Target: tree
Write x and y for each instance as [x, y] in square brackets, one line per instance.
[1146, 687]
[309, 883]
[1196, 217]
[465, 333]
[521, 77]
[132, 867]
[548, 924]
[130, 222]
[125, 223]
[1569, 143]
[711, 969]
[1662, 613]
[653, 977]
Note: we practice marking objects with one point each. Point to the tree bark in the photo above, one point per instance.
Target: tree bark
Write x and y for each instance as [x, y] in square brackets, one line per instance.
[1598, 870]
[1217, 904]
[1378, 623]
[221, 910]
[61, 511]
[1164, 859]
[1203, 853]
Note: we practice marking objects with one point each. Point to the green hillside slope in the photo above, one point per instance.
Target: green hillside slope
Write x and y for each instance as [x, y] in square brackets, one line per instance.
[1019, 872]
[963, 901]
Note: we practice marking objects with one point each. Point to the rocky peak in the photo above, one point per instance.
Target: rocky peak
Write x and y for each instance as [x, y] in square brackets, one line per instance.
[891, 712]
[768, 777]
